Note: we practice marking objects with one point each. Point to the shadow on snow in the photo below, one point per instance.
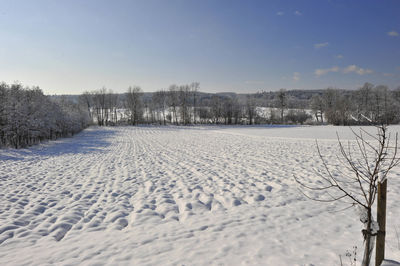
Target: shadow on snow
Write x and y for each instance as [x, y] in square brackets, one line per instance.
[90, 140]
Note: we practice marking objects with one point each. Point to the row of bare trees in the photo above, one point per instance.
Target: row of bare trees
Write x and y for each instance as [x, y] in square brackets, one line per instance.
[183, 105]
[369, 104]
[101, 105]
[177, 105]
[106, 108]
[28, 117]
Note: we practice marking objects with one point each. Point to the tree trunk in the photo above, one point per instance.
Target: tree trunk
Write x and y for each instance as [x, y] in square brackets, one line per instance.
[316, 117]
[176, 118]
[368, 238]
[381, 217]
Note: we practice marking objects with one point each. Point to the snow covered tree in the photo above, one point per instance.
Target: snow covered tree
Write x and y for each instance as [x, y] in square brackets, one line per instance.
[27, 116]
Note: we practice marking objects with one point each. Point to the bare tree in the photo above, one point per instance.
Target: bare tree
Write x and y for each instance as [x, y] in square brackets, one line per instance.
[337, 106]
[99, 102]
[173, 101]
[160, 101]
[281, 102]
[195, 89]
[184, 96]
[134, 104]
[112, 105]
[383, 106]
[147, 105]
[3, 117]
[86, 99]
[368, 165]
[216, 108]
[227, 110]
[204, 115]
[297, 116]
[363, 97]
[251, 109]
[317, 106]
[236, 110]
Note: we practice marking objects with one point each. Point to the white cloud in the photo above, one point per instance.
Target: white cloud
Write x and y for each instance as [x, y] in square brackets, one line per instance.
[349, 69]
[298, 13]
[323, 71]
[280, 13]
[356, 69]
[320, 45]
[339, 56]
[388, 74]
[393, 33]
[254, 82]
[296, 76]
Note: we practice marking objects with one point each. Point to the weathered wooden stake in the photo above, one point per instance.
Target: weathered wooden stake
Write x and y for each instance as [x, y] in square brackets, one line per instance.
[381, 217]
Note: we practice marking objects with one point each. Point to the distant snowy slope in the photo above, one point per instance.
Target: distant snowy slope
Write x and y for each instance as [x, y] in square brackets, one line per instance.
[301, 132]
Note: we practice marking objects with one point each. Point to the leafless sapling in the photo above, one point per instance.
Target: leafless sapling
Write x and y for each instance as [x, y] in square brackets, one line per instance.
[368, 161]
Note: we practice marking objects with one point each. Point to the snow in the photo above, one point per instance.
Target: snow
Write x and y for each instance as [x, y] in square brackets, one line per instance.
[178, 196]
[389, 263]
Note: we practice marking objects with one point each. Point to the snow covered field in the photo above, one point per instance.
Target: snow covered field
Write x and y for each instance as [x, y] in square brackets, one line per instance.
[180, 196]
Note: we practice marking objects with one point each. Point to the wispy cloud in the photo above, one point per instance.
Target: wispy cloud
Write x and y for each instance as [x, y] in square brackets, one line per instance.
[346, 70]
[320, 45]
[296, 76]
[393, 33]
[280, 13]
[356, 69]
[298, 13]
[388, 74]
[339, 56]
[323, 71]
[254, 82]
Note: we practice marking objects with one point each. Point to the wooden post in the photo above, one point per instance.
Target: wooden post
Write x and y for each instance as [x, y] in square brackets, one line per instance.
[381, 217]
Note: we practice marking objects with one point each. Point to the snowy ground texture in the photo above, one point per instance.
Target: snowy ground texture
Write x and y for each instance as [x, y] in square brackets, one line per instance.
[177, 196]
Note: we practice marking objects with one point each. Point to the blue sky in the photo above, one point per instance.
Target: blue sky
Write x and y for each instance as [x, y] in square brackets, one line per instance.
[241, 46]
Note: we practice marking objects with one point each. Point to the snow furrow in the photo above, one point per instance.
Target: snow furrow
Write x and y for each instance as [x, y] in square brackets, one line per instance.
[169, 195]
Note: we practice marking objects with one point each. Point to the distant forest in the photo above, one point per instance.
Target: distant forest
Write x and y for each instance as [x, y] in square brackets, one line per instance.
[27, 116]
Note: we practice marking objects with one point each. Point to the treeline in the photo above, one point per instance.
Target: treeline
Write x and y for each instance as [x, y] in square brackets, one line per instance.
[368, 105]
[184, 105]
[28, 117]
